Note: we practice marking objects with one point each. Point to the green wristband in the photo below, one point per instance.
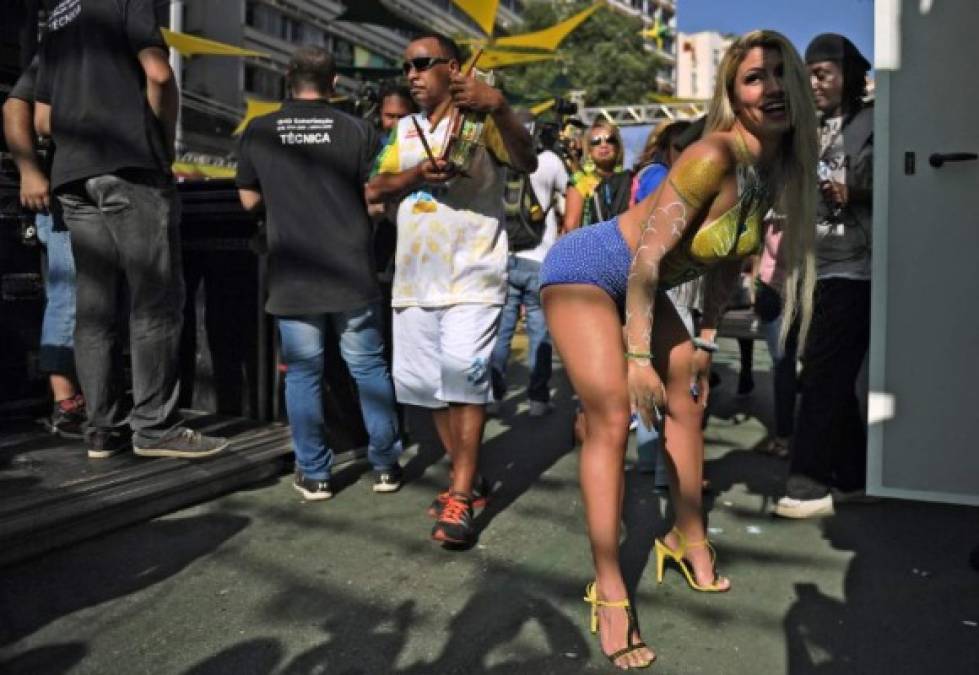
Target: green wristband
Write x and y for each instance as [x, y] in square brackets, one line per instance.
[638, 355]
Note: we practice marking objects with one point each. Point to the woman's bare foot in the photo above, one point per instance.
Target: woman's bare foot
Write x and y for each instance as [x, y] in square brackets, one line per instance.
[700, 560]
[613, 626]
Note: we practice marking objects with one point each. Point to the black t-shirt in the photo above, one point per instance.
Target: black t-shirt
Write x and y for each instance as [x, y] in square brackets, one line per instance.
[310, 162]
[91, 76]
[24, 87]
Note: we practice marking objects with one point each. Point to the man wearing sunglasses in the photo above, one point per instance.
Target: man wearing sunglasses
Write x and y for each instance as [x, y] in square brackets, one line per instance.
[450, 270]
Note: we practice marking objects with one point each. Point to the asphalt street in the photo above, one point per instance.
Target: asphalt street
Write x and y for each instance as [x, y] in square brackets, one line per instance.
[260, 582]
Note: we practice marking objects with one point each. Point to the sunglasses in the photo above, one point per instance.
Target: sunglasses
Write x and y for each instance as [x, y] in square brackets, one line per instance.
[422, 63]
[595, 141]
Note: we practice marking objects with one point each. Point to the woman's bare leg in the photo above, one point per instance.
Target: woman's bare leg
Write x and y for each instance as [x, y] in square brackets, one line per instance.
[587, 332]
[673, 355]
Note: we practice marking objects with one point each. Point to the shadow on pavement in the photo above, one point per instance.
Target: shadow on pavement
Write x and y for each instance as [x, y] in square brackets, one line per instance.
[909, 596]
[50, 660]
[38, 592]
[645, 516]
[484, 637]
[516, 459]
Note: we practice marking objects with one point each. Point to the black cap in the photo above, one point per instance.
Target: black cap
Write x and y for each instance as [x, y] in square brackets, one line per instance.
[835, 47]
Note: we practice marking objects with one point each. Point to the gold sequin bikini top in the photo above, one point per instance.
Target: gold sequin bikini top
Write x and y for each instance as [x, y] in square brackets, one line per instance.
[736, 233]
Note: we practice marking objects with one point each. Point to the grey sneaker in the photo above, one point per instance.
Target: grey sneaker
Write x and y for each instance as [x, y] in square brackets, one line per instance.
[313, 489]
[183, 442]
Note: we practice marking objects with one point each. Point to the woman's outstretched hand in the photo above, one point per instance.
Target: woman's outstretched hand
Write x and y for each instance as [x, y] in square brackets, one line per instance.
[647, 395]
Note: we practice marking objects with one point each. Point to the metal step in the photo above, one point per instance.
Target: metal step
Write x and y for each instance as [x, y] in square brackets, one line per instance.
[52, 495]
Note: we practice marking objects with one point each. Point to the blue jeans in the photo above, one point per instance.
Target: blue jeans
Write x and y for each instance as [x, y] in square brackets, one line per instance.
[784, 376]
[523, 288]
[652, 456]
[362, 348]
[58, 327]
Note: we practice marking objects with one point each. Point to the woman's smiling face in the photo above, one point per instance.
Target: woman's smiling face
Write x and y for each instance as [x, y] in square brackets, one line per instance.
[759, 99]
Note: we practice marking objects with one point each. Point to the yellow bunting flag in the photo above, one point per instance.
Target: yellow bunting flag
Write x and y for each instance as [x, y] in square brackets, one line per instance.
[549, 38]
[192, 170]
[495, 58]
[255, 109]
[483, 12]
[190, 45]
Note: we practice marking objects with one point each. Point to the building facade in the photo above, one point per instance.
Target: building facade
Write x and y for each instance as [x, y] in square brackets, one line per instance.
[656, 13]
[698, 58]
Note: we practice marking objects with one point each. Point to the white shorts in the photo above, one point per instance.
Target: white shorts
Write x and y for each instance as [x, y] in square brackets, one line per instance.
[442, 354]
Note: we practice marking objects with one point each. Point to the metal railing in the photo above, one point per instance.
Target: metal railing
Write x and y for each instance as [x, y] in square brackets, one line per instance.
[649, 113]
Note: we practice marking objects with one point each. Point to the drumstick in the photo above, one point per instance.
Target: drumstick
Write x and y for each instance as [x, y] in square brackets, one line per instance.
[421, 137]
[472, 64]
[445, 107]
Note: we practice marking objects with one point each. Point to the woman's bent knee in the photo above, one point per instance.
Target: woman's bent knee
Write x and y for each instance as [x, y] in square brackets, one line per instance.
[610, 425]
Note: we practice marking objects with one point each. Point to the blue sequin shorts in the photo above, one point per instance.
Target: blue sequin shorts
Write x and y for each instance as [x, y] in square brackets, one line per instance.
[596, 255]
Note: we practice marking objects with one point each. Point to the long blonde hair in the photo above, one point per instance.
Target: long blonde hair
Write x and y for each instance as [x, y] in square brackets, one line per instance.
[793, 176]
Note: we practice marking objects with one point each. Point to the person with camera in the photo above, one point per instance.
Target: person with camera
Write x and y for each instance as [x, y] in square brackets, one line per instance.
[450, 268]
[602, 189]
[829, 448]
[532, 224]
[308, 163]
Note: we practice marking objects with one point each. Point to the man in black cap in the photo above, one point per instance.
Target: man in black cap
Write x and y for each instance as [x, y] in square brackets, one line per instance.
[829, 451]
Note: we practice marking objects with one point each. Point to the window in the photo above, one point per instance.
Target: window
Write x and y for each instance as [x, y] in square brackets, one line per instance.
[263, 82]
[264, 18]
[343, 52]
[311, 35]
[273, 22]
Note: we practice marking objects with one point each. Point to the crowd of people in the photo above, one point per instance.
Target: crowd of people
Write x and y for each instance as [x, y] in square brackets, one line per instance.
[422, 251]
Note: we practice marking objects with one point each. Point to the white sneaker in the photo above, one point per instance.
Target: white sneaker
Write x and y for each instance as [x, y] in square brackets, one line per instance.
[787, 507]
[540, 408]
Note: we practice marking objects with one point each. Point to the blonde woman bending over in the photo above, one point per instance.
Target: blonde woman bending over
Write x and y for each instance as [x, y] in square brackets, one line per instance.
[758, 151]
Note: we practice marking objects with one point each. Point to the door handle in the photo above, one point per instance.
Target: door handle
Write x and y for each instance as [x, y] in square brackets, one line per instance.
[938, 158]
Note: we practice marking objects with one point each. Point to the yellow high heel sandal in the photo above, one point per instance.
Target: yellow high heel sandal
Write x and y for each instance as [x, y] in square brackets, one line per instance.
[677, 555]
[591, 597]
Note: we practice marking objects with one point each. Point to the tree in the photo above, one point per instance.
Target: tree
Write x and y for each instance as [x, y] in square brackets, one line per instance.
[604, 57]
